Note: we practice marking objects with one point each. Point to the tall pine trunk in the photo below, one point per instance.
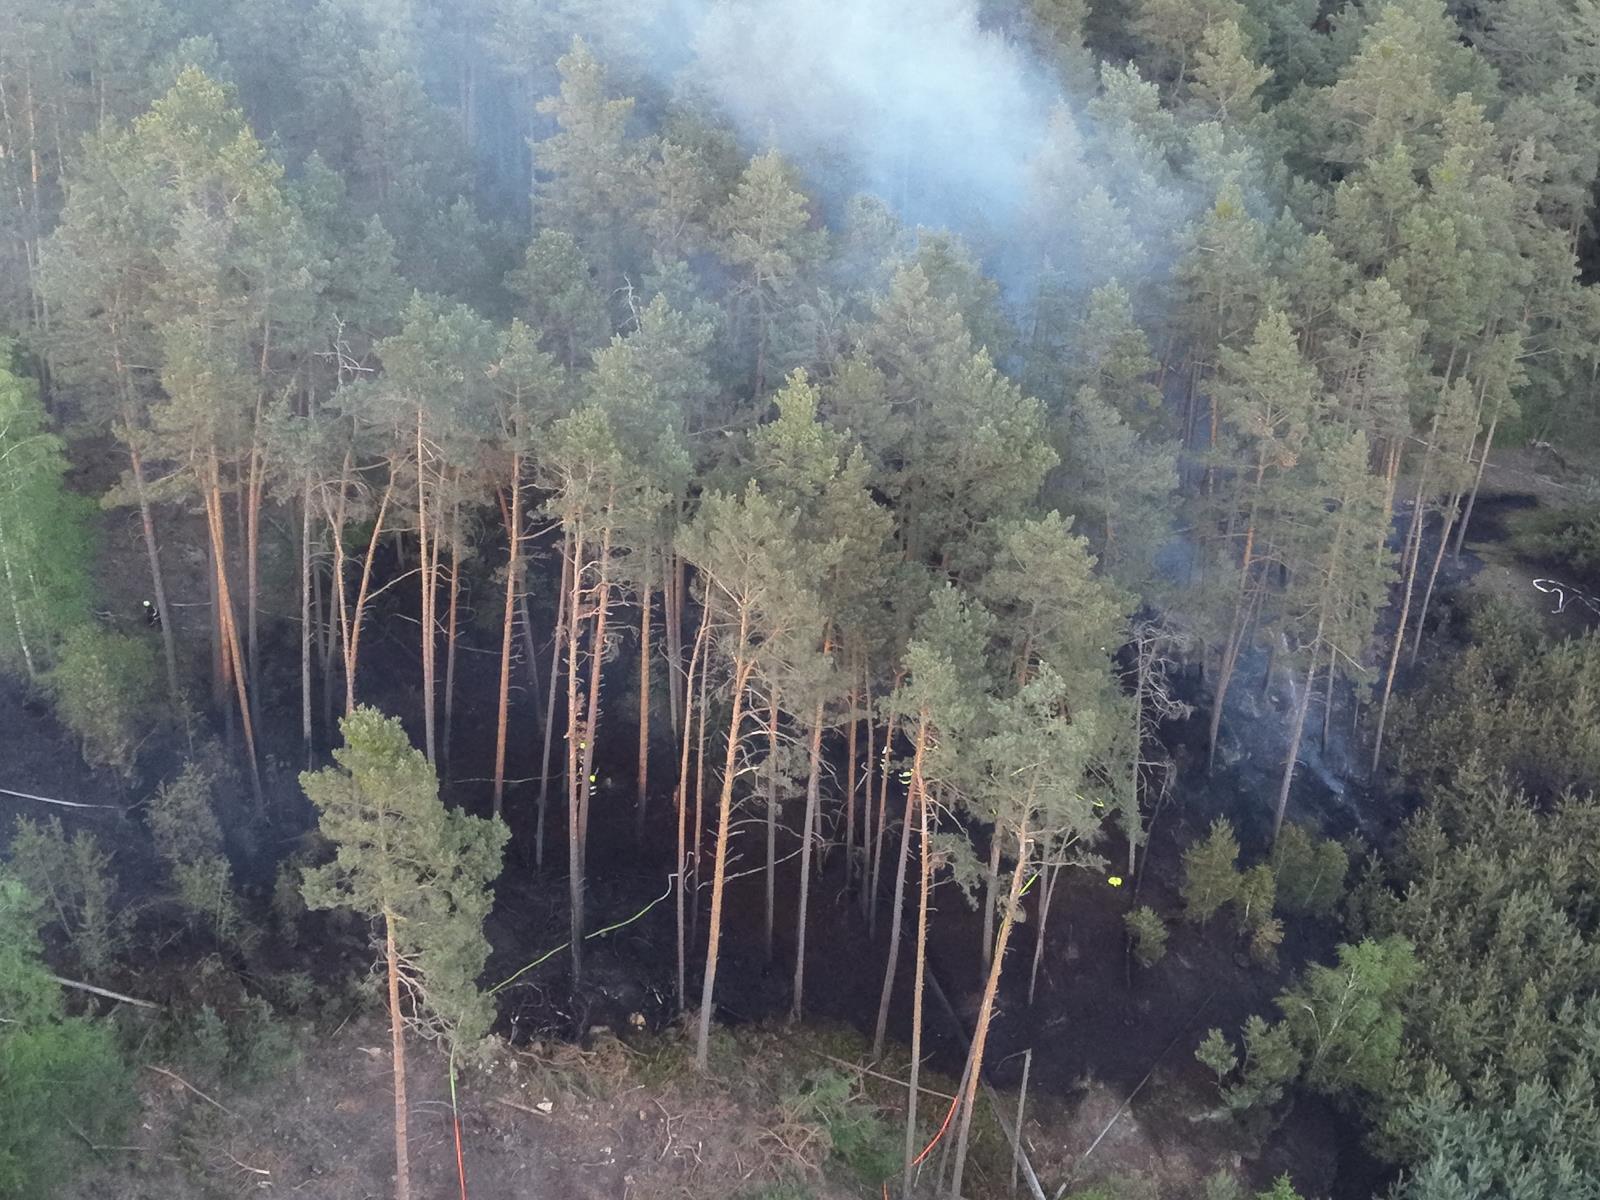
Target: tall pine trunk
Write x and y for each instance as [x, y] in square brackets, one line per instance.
[1413, 550]
[147, 526]
[352, 639]
[682, 871]
[397, 1042]
[1477, 482]
[574, 734]
[643, 789]
[924, 885]
[719, 866]
[252, 568]
[807, 838]
[1294, 742]
[561, 640]
[1448, 520]
[880, 1032]
[772, 822]
[991, 887]
[452, 627]
[306, 623]
[980, 1038]
[513, 577]
[229, 629]
[850, 783]
[883, 820]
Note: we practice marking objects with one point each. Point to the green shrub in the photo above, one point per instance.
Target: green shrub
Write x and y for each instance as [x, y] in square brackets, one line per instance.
[105, 689]
[1216, 1054]
[73, 877]
[246, 1045]
[1570, 535]
[1346, 1019]
[1256, 893]
[58, 1073]
[1269, 1062]
[858, 1137]
[188, 838]
[1149, 934]
[1210, 873]
[1265, 938]
[1310, 872]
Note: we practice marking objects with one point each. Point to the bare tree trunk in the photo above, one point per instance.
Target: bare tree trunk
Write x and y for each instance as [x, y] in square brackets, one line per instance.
[719, 867]
[564, 616]
[574, 734]
[230, 631]
[16, 613]
[772, 820]
[1448, 519]
[426, 558]
[683, 808]
[1294, 745]
[169, 646]
[306, 627]
[591, 714]
[1413, 550]
[397, 1041]
[919, 797]
[850, 780]
[991, 885]
[1230, 660]
[882, 1028]
[699, 804]
[1477, 482]
[643, 794]
[1327, 699]
[808, 835]
[869, 879]
[220, 677]
[252, 570]
[883, 818]
[353, 641]
[513, 577]
[451, 628]
[980, 1038]
[677, 685]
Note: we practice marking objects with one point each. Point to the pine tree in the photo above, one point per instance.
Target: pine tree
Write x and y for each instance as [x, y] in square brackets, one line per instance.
[1268, 394]
[759, 580]
[1339, 571]
[588, 173]
[561, 301]
[762, 231]
[422, 869]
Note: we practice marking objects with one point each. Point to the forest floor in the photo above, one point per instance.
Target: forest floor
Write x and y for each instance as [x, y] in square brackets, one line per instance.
[775, 1118]
[782, 1115]
[1116, 1090]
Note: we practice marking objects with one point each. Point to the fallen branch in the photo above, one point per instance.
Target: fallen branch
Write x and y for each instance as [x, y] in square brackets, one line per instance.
[107, 993]
[926, 1091]
[48, 800]
[527, 1108]
[176, 1078]
[247, 1166]
[95, 1146]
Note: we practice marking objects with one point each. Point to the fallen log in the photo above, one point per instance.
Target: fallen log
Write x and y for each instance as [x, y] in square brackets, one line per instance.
[106, 992]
